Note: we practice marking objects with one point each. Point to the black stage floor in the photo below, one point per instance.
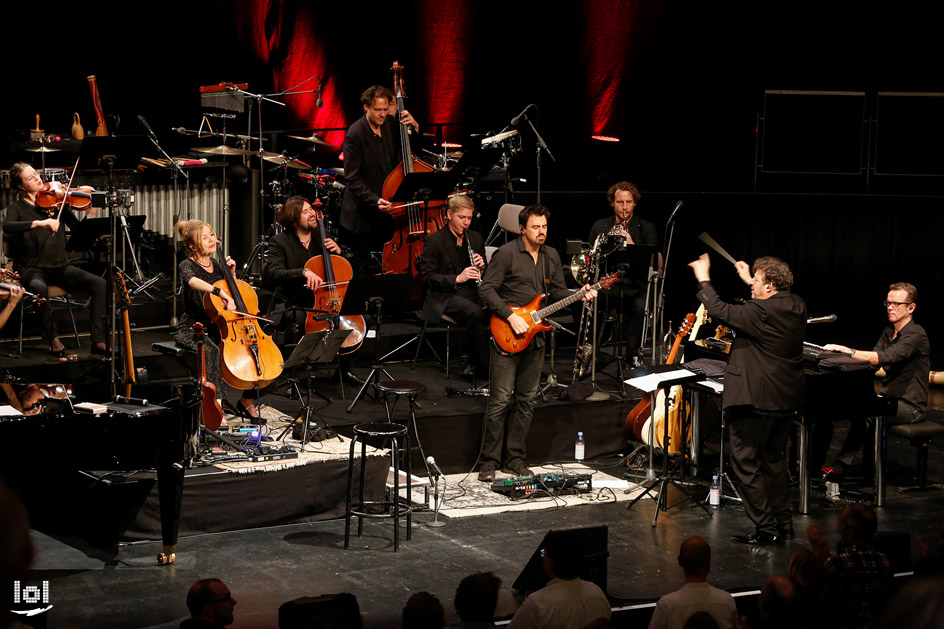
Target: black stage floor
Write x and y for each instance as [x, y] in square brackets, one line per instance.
[123, 587]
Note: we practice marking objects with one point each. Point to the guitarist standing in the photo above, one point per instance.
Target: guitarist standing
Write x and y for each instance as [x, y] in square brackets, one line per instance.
[518, 272]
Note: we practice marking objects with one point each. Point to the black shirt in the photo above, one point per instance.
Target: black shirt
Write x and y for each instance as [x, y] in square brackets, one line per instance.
[285, 266]
[907, 363]
[513, 278]
[36, 247]
[193, 299]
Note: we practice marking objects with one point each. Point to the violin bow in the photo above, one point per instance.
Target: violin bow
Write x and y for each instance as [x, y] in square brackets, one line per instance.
[62, 205]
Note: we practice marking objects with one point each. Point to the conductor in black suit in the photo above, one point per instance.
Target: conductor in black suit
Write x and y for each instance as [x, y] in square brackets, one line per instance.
[763, 388]
[452, 274]
[371, 151]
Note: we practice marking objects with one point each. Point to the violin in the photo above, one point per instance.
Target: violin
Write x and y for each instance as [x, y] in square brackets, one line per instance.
[212, 415]
[248, 356]
[336, 271]
[53, 196]
[10, 280]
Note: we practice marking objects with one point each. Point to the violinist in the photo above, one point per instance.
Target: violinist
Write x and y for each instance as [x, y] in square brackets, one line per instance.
[632, 230]
[452, 264]
[371, 151]
[38, 245]
[198, 272]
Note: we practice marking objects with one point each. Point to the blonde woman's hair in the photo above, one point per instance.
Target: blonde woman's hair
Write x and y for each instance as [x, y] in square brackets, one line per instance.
[190, 233]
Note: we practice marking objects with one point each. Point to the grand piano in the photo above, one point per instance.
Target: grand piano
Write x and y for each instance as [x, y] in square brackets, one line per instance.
[129, 436]
[832, 394]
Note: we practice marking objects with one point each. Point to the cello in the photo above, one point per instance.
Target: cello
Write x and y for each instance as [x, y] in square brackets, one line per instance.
[248, 356]
[411, 221]
[336, 271]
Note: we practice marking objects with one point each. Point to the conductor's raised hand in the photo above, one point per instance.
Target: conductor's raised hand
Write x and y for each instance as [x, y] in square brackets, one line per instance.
[701, 268]
[744, 271]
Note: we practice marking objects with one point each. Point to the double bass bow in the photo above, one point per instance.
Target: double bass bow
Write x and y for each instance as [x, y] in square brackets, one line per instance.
[412, 222]
[336, 271]
[248, 356]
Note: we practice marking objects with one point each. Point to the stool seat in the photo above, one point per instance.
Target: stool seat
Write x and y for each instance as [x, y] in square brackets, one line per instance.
[447, 319]
[918, 430]
[55, 291]
[401, 387]
[380, 429]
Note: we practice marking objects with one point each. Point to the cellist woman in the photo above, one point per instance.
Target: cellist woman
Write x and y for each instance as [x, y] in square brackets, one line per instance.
[285, 274]
[371, 151]
[198, 272]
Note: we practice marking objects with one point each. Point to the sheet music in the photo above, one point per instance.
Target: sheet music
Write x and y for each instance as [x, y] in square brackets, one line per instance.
[653, 381]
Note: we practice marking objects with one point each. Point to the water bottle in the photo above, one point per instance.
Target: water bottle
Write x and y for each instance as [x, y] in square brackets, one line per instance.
[579, 447]
[714, 494]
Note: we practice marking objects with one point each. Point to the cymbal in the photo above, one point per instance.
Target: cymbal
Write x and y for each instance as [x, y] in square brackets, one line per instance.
[499, 137]
[278, 158]
[43, 149]
[222, 149]
[313, 138]
[456, 154]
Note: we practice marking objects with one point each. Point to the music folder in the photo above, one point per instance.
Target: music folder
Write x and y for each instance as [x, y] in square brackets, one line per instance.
[661, 376]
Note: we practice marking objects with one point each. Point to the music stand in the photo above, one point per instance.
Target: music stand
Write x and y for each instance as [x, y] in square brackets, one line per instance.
[314, 347]
[111, 152]
[425, 186]
[667, 376]
[377, 294]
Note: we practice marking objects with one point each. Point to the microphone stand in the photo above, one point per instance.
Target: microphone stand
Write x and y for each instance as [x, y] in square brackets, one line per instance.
[435, 521]
[178, 170]
[541, 144]
[659, 293]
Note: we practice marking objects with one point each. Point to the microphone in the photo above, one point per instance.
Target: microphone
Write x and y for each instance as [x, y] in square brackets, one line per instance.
[146, 126]
[517, 119]
[432, 464]
[192, 162]
[678, 204]
[824, 319]
[319, 102]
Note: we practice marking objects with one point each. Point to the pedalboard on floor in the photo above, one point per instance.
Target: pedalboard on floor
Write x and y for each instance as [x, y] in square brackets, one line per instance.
[552, 483]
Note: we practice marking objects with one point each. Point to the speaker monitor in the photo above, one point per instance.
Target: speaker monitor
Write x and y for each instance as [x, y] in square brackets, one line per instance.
[305, 612]
[594, 548]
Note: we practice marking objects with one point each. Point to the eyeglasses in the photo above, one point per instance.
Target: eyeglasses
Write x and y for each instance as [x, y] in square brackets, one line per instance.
[897, 304]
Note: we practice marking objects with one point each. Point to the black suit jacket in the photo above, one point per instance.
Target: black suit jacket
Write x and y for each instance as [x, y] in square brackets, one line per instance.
[765, 366]
[439, 264]
[364, 172]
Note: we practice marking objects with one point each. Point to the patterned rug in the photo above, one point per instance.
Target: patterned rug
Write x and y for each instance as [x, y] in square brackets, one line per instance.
[463, 495]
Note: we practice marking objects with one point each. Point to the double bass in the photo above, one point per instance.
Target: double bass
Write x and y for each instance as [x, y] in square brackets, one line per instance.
[412, 222]
[248, 356]
[336, 271]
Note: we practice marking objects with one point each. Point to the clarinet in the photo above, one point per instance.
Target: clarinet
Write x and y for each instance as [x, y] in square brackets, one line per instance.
[478, 282]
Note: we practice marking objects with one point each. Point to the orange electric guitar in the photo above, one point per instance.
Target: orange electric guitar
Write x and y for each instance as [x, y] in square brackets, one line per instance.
[533, 315]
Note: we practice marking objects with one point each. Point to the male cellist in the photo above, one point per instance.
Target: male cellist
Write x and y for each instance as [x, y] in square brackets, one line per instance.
[284, 270]
[371, 151]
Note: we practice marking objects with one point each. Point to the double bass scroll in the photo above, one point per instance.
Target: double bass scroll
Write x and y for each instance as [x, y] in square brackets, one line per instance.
[412, 222]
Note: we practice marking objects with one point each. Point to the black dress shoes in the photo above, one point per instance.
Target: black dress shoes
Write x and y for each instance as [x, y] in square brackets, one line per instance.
[487, 472]
[758, 539]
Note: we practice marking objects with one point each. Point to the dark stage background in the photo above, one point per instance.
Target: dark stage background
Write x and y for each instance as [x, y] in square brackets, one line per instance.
[855, 202]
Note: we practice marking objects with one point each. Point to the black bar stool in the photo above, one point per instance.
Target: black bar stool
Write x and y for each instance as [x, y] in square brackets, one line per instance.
[380, 434]
[398, 388]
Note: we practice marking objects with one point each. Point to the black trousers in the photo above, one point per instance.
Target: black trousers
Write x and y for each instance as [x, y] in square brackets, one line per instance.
[759, 462]
[70, 278]
[472, 317]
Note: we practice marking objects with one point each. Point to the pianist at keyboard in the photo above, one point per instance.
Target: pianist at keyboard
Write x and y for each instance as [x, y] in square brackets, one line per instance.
[904, 352]
[763, 388]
